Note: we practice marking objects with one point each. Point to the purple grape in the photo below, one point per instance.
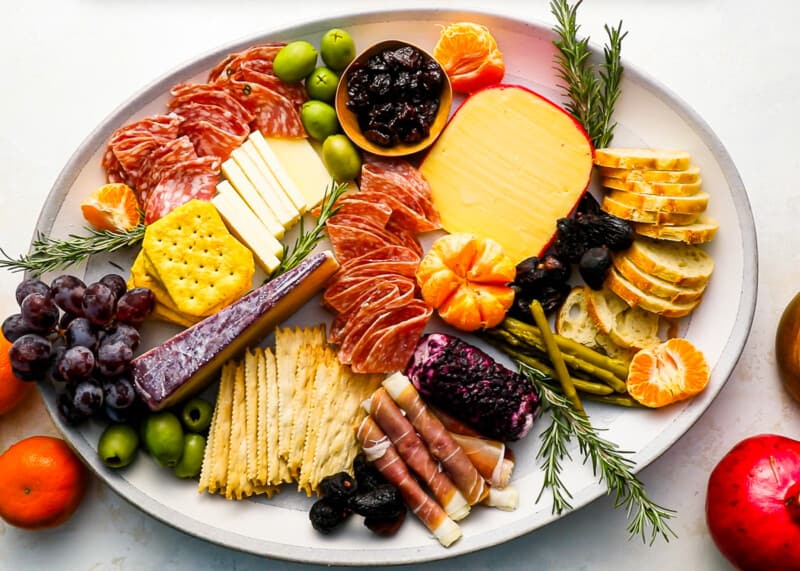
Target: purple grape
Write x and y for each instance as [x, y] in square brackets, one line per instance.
[99, 303]
[76, 364]
[88, 397]
[115, 283]
[30, 354]
[81, 332]
[14, 327]
[113, 358]
[119, 392]
[67, 411]
[125, 333]
[40, 312]
[68, 293]
[136, 305]
[31, 286]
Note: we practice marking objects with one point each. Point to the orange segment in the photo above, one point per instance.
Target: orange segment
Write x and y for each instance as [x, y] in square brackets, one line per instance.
[469, 55]
[672, 371]
[112, 207]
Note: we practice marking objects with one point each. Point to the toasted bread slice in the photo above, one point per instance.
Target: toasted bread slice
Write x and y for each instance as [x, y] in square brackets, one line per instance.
[654, 188]
[627, 326]
[694, 204]
[680, 264]
[692, 174]
[574, 322]
[651, 284]
[700, 232]
[628, 212]
[635, 297]
[656, 159]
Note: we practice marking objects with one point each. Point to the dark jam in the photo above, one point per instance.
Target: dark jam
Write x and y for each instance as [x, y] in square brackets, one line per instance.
[395, 95]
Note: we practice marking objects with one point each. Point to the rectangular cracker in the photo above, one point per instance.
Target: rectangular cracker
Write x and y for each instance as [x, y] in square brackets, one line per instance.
[251, 415]
[208, 454]
[326, 371]
[306, 366]
[274, 472]
[218, 478]
[261, 477]
[286, 349]
[238, 485]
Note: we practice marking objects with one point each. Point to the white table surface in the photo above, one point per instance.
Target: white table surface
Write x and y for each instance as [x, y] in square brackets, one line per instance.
[66, 64]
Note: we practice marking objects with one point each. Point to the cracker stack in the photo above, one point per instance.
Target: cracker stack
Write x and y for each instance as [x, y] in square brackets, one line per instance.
[192, 264]
[658, 190]
[283, 417]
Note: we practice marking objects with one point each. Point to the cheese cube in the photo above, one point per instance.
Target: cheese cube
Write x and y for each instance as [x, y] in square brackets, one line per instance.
[302, 165]
[245, 225]
[251, 197]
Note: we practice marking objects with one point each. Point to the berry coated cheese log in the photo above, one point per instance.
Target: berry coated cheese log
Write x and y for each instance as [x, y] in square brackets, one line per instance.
[413, 451]
[441, 444]
[379, 450]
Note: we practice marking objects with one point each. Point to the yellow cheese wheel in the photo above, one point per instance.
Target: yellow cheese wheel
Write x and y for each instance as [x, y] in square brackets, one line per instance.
[506, 167]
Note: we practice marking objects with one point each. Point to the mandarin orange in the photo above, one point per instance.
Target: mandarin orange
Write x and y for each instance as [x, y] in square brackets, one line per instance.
[672, 371]
[112, 207]
[469, 55]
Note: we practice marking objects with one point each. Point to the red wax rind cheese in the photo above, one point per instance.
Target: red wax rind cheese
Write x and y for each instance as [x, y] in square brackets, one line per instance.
[186, 363]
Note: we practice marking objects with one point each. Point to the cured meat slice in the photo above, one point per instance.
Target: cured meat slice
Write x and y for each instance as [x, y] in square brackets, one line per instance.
[262, 52]
[352, 205]
[162, 127]
[206, 94]
[275, 115]
[161, 159]
[415, 454]
[114, 171]
[184, 181]
[348, 242]
[390, 341]
[489, 458]
[386, 253]
[403, 213]
[346, 292]
[380, 451]
[260, 71]
[398, 178]
[440, 442]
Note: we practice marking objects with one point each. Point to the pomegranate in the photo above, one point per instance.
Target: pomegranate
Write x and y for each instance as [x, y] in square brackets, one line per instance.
[753, 504]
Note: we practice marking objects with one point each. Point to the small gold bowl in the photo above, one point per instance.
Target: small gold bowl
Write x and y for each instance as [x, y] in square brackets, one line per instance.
[349, 120]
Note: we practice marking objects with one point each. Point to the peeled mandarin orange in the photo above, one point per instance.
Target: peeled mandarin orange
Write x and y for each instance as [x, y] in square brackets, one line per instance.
[12, 388]
[669, 372]
[112, 207]
[466, 279]
[470, 57]
[42, 483]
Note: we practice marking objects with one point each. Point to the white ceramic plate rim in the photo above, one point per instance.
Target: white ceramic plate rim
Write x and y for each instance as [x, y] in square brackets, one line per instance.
[686, 418]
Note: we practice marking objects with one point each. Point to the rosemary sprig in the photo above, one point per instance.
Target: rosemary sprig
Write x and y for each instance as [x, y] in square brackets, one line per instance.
[48, 254]
[609, 463]
[307, 241]
[591, 98]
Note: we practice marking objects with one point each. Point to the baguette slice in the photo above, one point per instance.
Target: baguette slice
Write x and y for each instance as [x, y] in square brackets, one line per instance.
[627, 212]
[654, 188]
[574, 322]
[635, 297]
[700, 232]
[692, 174]
[674, 204]
[627, 326]
[680, 264]
[655, 159]
[651, 284]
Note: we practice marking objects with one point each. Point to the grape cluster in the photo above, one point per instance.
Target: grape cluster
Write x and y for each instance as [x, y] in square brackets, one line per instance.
[87, 349]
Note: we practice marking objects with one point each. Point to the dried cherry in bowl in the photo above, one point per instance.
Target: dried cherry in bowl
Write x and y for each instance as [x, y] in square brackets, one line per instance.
[349, 120]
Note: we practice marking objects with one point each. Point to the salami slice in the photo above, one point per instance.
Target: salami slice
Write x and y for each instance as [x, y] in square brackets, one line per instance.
[391, 339]
[275, 115]
[206, 94]
[114, 171]
[399, 178]
[260, 71]
[162, 159]
[386, 253]
[186, 180]
[227, 67]
[348, 242]
[348, 325]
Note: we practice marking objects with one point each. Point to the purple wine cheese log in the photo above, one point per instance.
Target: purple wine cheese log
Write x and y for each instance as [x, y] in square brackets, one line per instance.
[186, 363]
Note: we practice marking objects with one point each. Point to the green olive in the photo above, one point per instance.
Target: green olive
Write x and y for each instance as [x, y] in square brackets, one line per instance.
[319, 119]
[321, 84]
[341, 158]
[196, 415]
[295, 61]
[163, 435]
[337, 49]
[117, 445]
[191, 462]
[787, 347]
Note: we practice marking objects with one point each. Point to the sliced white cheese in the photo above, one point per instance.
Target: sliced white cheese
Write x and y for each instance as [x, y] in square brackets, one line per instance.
[248, 228]
[268, 187]
[251, 197]
[300, 162]
[263, 151]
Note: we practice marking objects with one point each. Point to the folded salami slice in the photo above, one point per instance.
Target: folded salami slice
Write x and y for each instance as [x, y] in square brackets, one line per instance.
[162, 159]
[206, 94]
[264, 52]
[260, 71]
[186, 180]
[275, 115]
